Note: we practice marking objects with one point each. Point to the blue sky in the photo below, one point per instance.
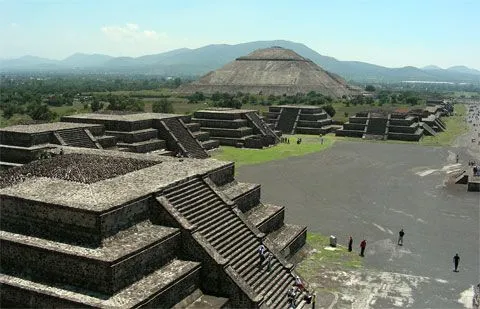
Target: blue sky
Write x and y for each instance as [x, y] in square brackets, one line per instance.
[392, 33]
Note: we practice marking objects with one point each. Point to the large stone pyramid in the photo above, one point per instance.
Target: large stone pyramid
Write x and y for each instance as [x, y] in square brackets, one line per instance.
[274, 70]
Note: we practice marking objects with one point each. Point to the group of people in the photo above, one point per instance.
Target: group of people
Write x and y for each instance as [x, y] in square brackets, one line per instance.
[298, 287]
[475, 167]
[401, 233]
[284, 140]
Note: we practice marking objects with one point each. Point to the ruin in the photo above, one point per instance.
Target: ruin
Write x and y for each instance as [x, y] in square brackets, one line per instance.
[300, 119]
[382, 126]
[163, 134]
[271, 71]
[236, 127]
[159, 232]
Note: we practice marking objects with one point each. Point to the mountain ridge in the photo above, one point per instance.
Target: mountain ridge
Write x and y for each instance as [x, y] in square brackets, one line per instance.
[199, 61]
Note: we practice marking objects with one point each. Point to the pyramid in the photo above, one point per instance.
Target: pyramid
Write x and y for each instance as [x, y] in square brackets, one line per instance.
[274, 70]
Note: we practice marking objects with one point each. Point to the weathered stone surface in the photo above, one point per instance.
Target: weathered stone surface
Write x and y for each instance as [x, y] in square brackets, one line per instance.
[273, 70]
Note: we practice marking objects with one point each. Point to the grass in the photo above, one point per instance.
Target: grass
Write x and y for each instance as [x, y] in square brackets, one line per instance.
[456, 126]
[320, 258]
[245, 156]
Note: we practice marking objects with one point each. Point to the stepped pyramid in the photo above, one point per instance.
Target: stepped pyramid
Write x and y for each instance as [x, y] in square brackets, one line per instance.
[154, 231]
[274, 70]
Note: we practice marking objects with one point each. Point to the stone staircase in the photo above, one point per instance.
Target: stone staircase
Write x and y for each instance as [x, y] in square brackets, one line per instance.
[233, 237]
[184, 137]
[77, 137]
[262, 126]
[286, 121]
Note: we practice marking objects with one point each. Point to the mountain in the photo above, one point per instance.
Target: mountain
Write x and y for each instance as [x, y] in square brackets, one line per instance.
[431, 68]
[85, 60]
[463, 69]
[199, 61]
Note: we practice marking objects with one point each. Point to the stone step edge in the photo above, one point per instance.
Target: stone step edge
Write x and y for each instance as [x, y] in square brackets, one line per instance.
[82, 298]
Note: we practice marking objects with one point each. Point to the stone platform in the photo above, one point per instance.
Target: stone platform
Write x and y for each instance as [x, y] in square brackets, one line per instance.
[300, 119]
[236, 127]
[168, 232]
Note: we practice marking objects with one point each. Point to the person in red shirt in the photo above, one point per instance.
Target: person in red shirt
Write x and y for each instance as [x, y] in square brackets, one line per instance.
[363, 244]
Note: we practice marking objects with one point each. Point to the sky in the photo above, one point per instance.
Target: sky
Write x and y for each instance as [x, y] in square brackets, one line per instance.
[392, 33]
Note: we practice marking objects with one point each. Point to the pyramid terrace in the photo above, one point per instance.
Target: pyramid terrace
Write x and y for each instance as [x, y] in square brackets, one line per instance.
[161, 232]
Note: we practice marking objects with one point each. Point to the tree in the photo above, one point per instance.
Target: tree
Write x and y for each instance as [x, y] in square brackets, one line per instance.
[163, 106]
[40, 112]
[330, 110]
[96, 105]
[370, 88]
[412, 100]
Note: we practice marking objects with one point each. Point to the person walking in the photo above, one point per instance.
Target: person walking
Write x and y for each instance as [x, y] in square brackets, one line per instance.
[400, 237]
[456, 260]
[350, 243]
[261, 255]
[363, 245]
[269, 261]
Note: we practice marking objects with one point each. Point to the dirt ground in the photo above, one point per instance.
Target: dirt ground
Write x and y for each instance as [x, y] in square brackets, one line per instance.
[371, 191]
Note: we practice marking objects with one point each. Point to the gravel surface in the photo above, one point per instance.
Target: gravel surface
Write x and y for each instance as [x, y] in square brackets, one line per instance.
[82, 168]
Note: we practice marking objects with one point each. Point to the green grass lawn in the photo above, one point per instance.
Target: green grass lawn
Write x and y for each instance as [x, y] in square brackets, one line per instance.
[320, 257]
[341, 109]
[456, 126]
[245, 156]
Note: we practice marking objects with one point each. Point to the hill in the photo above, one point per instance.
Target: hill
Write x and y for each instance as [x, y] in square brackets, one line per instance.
[199, 61]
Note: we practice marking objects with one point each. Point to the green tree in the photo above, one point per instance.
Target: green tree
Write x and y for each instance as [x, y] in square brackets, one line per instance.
[163, 106]
[96, 105]
[370, 88]
[40, 112]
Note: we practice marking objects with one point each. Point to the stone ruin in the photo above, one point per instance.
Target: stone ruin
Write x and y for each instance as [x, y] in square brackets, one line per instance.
[236, 127]
[406, 126]
[276, 71]
[155, 231]
[163, 134]
[300, 119]
[382, 126]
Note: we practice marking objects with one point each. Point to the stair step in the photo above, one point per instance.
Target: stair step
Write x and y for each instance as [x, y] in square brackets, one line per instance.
[279, 291]
[219, 220]
[257, 279]
[279, 296]
[268, 285]
[196, 208]
[195, 200]
[233, 231]
[220, 216]
[181, 188]
[222, 227]
[227, 249]
[251, 245]
[214, 208]
[254, 276]
[232, 238]
[249, 248]
[250, 259]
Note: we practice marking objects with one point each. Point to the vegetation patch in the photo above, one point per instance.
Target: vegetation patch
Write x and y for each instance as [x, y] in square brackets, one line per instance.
[321, 256]
[245, 156]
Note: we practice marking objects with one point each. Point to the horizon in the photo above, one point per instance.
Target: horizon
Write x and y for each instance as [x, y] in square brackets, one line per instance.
[392, 35]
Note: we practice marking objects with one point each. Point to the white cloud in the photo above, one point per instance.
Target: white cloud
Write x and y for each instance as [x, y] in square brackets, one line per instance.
[13, 25]
[131, 32]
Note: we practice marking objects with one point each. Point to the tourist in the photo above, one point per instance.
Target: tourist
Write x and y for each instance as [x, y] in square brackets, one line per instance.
[261, 254]
[400, 237]
[457, 158]
[314, 299]
[299, 283]
[363, 245]
[321, 141]
[350, 243]
[456, 259]
[292, 294]
[269, 261]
